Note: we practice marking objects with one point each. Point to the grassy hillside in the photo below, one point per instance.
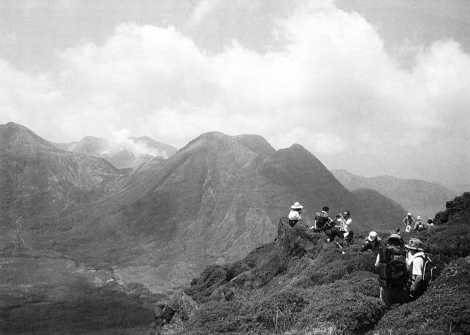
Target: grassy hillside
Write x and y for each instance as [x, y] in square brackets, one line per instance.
[301, 285]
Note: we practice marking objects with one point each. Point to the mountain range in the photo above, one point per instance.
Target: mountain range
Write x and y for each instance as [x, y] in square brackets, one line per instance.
[416, 196]
[214, 200]
[39, 182]
[125, 153]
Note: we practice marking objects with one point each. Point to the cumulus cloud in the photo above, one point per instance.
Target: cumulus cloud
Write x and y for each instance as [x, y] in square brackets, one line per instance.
[332, 87]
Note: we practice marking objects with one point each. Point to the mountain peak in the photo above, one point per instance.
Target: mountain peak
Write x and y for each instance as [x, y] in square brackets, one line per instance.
[298, 147]
[256, 143]
[14, 137]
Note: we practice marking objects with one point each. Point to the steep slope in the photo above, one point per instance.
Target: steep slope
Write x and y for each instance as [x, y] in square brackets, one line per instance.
[417, 196]
[39, 183]
[212, 202]
[300, 285]
[130, 153]
[445, 307]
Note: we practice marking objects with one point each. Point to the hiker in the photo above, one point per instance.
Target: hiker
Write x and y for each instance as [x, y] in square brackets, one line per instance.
[408, 222]
[336, 229]
[323, 220]
[372, 242]
[348, 233]
[430, 223]
[392, 269]
[419, 224]
[295, 213]
[415, 260]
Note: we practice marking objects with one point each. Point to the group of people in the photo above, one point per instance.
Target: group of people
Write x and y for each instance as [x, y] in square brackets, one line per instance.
[404, 269]
[339, 227]
[411, 223]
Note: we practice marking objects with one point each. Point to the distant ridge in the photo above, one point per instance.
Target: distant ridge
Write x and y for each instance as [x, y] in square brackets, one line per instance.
[417, 196]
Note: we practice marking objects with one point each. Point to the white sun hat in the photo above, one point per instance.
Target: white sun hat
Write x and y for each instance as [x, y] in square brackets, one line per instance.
[372, 236]
[296, 205]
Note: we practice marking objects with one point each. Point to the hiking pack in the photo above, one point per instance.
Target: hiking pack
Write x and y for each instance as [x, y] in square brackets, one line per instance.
[322, 220]
[392, 267]
[429, 270]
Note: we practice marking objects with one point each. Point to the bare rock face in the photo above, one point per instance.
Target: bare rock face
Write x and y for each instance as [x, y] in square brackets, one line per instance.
[297, 240]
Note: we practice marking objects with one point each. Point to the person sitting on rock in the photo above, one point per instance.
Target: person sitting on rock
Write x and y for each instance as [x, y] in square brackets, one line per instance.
[295, 214]
[419, 224]
[347, 232]
[372, 242]
[415, 261]
[323, 220]
[430, 223]
[336, 230]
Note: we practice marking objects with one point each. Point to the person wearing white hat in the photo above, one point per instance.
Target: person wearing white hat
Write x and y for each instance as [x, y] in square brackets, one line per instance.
[419, 224]
[295, 213]
[372, 242]
[415, 262]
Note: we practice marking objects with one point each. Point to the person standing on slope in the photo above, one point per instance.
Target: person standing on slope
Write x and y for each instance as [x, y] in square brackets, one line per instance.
[295, 214]
[415, 261]
[392, 269]
[408, 222]
[419, 224]
[347, 220]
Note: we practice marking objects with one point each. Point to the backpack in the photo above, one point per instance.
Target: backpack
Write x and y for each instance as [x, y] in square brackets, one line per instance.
[392, 268]
[429, 270]
[322, 221]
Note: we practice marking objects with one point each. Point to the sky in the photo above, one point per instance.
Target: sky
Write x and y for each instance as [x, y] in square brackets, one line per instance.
[367, 86]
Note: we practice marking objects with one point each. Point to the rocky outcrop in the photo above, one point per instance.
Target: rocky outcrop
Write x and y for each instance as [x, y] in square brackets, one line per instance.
[457, 211]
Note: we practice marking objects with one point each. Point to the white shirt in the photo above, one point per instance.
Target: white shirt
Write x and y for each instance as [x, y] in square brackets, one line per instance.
[294, 215]
[416, 262]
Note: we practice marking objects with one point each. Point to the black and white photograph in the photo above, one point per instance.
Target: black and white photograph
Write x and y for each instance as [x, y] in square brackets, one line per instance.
[258, 167]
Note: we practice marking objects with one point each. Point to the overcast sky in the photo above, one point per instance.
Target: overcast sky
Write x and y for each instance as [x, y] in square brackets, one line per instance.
[375, 87]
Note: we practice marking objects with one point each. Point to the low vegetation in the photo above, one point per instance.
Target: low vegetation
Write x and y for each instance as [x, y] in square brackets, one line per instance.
[302, 285]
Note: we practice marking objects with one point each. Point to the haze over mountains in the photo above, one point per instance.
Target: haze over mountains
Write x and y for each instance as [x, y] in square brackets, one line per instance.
[213, 201]
[125, 153]
[417, 196]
